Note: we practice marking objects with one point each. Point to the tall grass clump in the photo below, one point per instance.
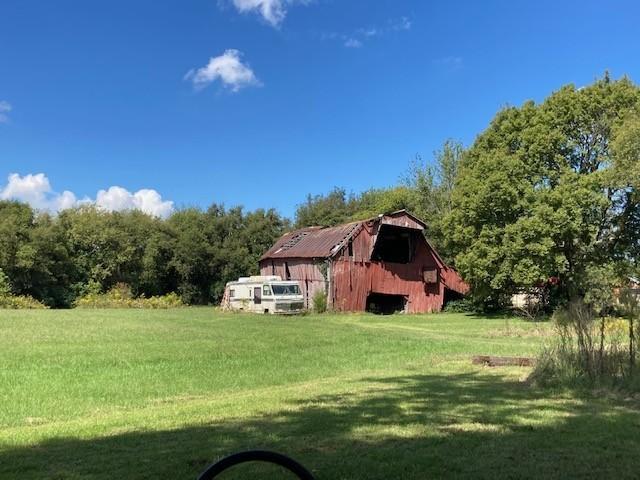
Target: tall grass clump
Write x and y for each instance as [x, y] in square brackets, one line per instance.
[120, 296]
[591, 349]
[319, 301]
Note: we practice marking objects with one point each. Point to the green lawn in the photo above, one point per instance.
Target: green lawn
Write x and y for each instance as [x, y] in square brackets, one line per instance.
[113, 394]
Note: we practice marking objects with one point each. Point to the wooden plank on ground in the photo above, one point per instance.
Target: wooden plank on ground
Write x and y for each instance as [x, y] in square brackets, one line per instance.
[491, 361]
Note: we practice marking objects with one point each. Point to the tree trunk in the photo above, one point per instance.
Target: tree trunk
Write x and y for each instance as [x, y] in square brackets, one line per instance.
[601, 346]
[632, 353]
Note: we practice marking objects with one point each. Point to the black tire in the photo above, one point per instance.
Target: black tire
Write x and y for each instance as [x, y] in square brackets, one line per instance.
[256, 456]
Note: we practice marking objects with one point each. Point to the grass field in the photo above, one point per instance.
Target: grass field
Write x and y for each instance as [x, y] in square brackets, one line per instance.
[117, 394]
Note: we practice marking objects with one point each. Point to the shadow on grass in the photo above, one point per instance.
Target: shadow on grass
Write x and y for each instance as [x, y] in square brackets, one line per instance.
[471, 425]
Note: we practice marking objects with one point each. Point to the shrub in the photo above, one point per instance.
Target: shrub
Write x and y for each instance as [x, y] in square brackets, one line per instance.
[8, 300]
[170, 300]
[21, 302]
[120, 296]
[5, 285]
[320, 302]
[463, 305]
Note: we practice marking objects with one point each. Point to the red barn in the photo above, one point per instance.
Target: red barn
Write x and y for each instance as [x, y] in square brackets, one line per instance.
[383, 264]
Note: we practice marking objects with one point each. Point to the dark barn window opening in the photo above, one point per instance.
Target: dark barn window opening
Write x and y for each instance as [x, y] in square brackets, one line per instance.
[394, 244]
[385, 304]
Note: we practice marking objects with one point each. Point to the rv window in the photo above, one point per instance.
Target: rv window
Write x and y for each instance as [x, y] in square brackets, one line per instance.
[266, 291]
[232, 293]
[285, 289]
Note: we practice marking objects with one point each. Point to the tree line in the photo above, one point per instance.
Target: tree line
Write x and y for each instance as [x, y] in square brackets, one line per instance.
[545, 197]
[56, 259]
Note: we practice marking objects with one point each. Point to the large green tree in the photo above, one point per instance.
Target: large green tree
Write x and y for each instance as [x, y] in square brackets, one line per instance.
[34, 254]
[432, 184]
[375, 201]
[542, 194]
[219, 245]
[334, 208]
[626, 179]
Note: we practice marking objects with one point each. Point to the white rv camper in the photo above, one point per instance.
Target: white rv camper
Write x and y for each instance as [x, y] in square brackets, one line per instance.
[263, 294]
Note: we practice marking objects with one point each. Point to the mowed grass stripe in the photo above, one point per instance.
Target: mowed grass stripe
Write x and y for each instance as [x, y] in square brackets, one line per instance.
[159, 394]
[127, 358]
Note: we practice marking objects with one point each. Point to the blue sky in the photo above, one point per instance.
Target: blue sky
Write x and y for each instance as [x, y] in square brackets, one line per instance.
[303, 96]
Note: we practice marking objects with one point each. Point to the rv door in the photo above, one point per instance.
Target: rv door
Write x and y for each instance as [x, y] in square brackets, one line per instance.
[257, 295]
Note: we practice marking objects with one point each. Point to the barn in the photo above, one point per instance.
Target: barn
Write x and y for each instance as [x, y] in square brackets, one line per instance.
[383, 264]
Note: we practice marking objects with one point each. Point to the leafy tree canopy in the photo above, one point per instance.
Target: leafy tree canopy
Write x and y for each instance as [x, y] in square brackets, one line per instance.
[194, 252]
[549, 191]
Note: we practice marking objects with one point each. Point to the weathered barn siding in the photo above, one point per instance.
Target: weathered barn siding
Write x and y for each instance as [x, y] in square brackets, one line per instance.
[353, 279]
[453, 280]
[399, 219]
[362, 244]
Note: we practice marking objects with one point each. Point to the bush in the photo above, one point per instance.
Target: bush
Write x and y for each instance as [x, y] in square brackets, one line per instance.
[8, 300]
[464, 305]
[320, 301]
[5, 285]
[21, 302]
[120, 296]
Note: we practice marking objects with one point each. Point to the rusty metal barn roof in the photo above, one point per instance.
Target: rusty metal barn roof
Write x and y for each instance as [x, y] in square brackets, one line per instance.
[324, 242]
[312, 242]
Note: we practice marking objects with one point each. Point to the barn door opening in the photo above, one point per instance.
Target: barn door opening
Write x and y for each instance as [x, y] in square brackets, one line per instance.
[385, 304]
[451, 296]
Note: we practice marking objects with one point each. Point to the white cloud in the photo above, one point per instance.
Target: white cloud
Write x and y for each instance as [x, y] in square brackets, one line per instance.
[228, 68]
[450, 63]
[368, 32]
[36, 191]
[33, 189]
[358, 37]
[5, 108]
[352, 43]
[66, 200]
[403, 23]
[273, 11]
[116, 199]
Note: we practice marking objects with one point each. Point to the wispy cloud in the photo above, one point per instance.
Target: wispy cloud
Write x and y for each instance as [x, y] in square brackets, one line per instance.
[272, 11]
[352, 43]
[403, 23]
[360, 36]
[5, 108]
[36, 190]
[228, 69]
[450, 63]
